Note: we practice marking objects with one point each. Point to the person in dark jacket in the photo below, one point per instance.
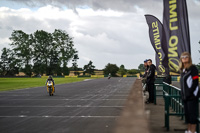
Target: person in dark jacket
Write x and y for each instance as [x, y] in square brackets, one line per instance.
[146, 69]
[51, 79]
[150, 80]
[189, 90]
[144, 77]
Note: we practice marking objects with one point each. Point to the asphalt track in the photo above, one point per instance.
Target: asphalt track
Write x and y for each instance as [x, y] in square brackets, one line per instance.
[91, 106]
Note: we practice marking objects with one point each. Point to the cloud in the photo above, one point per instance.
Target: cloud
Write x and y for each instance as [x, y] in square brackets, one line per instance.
[106, 31]
[120, 5]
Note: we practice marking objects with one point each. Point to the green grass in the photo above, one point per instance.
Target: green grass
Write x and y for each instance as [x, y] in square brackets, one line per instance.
[20, 83]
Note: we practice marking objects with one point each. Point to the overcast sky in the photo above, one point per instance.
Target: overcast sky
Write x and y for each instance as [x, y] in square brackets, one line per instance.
[104, 31]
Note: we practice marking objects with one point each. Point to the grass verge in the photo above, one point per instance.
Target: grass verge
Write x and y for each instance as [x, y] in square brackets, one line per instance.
[20, 83]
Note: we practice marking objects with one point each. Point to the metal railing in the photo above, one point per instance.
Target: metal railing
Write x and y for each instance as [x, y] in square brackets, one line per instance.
[173, 102]
[172, 98]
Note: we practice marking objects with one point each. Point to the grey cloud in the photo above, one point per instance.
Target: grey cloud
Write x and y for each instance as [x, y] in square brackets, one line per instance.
[123, 5]
[120, 40]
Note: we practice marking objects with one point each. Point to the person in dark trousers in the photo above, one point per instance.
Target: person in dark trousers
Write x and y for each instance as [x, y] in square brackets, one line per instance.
[144, 77]
[189, 90]
[150, 80]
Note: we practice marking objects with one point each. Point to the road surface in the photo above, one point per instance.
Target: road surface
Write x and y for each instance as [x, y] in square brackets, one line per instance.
[91, 106]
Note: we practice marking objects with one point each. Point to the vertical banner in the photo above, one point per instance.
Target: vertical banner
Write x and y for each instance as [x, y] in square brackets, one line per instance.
[157, 38]
[176, 27]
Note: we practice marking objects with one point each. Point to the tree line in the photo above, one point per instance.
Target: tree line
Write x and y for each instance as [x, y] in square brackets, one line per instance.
[47, 53]
[39, 53]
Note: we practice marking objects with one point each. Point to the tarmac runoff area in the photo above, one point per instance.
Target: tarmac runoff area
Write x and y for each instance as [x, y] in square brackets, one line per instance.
[90, 106]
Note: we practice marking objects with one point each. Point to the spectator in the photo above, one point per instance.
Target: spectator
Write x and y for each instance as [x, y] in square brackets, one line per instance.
[144, 77]
[146, 68]
[189, 90]
[150, 80]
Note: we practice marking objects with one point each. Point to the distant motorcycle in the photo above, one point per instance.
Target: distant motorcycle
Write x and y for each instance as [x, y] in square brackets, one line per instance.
[50, 88]
[109, 76]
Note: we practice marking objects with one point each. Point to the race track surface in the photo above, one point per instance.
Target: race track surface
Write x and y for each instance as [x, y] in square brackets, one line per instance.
[91, 106]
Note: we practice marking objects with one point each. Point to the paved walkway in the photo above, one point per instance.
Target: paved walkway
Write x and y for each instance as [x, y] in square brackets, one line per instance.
[156, 119]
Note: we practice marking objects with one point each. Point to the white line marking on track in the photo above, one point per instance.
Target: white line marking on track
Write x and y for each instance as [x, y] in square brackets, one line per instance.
[67, 106]
[87, 79]
[24, 116]
[66, 99]
[21, 95]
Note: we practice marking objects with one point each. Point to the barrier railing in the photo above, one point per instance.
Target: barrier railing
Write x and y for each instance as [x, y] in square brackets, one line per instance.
[173, 102]
[172, 98]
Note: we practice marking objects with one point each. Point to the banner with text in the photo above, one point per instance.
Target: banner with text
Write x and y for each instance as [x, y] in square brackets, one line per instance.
[176, 27]
[157, 38]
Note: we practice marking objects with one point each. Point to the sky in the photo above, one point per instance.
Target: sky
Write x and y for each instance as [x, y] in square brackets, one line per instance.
[104, 31]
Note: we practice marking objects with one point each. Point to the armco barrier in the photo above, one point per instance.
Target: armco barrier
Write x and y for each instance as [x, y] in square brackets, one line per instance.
[97, 76]
[71, 76]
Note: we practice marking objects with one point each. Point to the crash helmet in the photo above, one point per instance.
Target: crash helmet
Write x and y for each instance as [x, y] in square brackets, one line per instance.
[50, 77]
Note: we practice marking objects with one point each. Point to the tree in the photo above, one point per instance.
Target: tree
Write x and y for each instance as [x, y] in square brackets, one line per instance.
[111, 68]
[43, 52]
[199, 50]
[122, 71]
[42, 43]
[66, 47]
[74, 64]
[53, 50]
[198, 67]
[89, 68]
[9, 64]
[133, 71]
[22, 47]
[141, 67]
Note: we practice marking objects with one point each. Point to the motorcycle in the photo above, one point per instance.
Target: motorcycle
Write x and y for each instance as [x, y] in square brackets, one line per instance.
[50, 88]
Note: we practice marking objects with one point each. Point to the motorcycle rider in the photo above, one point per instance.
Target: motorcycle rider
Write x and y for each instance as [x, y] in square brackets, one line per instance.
[109, 76]
[51, 79]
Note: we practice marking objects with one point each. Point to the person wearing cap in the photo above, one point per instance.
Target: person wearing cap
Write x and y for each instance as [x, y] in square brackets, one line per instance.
[144, 77]
[146, 69]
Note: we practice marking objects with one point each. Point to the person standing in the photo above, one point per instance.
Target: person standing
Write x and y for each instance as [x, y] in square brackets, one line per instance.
[189, 90]
[144, 76]
[109, 76]
[150, 80]
[146, 67]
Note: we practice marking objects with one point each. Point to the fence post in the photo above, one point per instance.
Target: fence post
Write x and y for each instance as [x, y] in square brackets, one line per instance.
[198, 117]
[167, 111]
[155, 94]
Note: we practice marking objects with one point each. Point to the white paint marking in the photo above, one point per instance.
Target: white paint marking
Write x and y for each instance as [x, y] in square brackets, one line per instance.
[58, 116]
[67, 106]
[67, 99]
[22, 116]
[87, 79]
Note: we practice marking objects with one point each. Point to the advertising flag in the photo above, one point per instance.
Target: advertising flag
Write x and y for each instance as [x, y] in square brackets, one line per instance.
[157, 38]
[176, 27]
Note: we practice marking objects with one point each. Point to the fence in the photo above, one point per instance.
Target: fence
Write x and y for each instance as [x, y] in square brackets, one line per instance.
[172, 100]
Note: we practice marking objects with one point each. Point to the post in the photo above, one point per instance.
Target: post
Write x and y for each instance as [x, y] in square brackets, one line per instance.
[198, 117]
[167, 111]
[155, 94]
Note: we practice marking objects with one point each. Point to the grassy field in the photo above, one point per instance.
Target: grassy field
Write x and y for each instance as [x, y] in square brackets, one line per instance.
[20, 83]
